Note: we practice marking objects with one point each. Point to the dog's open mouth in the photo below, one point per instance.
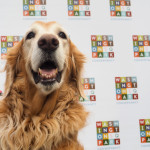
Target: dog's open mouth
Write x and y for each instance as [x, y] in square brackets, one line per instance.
[47, 73]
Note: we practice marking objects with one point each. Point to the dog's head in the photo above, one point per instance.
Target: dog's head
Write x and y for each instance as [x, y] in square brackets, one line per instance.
[47, 56]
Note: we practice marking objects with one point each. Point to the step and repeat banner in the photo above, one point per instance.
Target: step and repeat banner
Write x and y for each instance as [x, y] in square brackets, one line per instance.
[115, 37]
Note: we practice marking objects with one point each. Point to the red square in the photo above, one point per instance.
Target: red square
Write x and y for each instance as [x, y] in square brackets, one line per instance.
[142, 122]
[94, 55]
[111, 54]
[92, 97]
[135, 38]
[113, 13]
[93, 38]
[43, 13]
[136, 54]
[25, 13]
[143, 139]
[128, 14]
[70, 13]
[135, 96]
[99, 124]
[117, 141]
[117, 80]
[3, 38]
[99, 142]
[119, 97]
[87, 13]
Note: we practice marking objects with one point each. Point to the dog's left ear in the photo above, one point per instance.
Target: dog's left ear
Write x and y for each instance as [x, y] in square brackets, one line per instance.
[77, 62]
[12, 66]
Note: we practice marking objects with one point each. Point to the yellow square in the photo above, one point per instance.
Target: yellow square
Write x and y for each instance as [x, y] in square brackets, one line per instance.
[147, 133]
[99, 38]
[76, 7]
[124, 91]
[105, 124]
[118, 8]
[105, 136]
[147, 121]
[141, 48]
[99, 49]
[31, 7]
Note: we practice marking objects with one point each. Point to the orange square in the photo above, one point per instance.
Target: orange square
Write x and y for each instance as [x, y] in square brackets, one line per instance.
[25, 13]
[81, 2]
[94, 55]
[86, 86]
[146, 43]
[3, 56]
[110, 129]
[143, 139]
[119, 97]
[113, 13]
[99, 142]
[105, 43]
[15, 43]
[136, 54]
[122, 3]
[70, 13]
[129, 84]
[37, 2]
[118, 8]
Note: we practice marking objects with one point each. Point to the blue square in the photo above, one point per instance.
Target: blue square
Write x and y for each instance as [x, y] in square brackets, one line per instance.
[111, 142]
[116, 123]
[70, 7]
[37, 13]
[105, 54]
[136, 49]
[149, 37]
[110, 38]
[9, 44]
[91, 80]
[94, 49]
[133, 79]
[100, 136]
[143, 134]
[81, 13]
[147, 54]
[112, 8]
[3, 50]
[123, 13]
[25, 7]
[118, 91]
[129, 96]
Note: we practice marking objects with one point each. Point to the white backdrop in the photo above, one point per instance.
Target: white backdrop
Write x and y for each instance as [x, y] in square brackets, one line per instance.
[103, 70]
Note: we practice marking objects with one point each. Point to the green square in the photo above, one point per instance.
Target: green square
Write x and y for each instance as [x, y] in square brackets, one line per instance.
[118, 85]
[81, 99]
[76, 13]
[9, 38]
[142, 128]
[100, 55]
[124, 96]
[99, 38]
[135, 43]
[3, 44]
[105, 142]
[147, 139]
[31, 13]
[141, 54]
[112, 2]
[70, 2]
[94, 43]
[118, 13]
[25, 2]
[99, 130]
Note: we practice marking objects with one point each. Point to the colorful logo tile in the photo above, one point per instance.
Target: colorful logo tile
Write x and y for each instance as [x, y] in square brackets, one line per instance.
[1, 93]
[141, 45]
[79, 8]
[107, 133]
[34, 8]
[7, 42]
[145, 130]
[102, 46]
[89, 89]
[120, 8]
[126, 88]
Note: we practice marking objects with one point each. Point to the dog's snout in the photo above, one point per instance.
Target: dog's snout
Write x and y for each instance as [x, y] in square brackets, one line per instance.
[48, 42]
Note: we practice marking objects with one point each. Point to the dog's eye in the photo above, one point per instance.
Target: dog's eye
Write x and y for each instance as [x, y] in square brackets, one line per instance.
[30, 35]
[62, 35]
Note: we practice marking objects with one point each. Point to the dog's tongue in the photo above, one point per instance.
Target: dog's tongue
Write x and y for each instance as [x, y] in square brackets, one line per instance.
[47, 71]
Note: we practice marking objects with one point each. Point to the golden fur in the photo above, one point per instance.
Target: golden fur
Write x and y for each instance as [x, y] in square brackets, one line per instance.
[32, 121]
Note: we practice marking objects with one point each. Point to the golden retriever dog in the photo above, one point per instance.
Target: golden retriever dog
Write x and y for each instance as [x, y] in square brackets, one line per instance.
[40, 109]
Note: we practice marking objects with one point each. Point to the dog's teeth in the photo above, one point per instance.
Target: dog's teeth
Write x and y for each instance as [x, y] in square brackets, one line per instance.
[39, 71]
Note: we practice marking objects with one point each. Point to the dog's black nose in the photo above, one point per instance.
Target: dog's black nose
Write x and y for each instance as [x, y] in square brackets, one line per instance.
[48, 42]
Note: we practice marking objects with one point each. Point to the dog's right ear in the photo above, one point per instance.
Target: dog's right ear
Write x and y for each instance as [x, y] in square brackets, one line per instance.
[12, 65]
